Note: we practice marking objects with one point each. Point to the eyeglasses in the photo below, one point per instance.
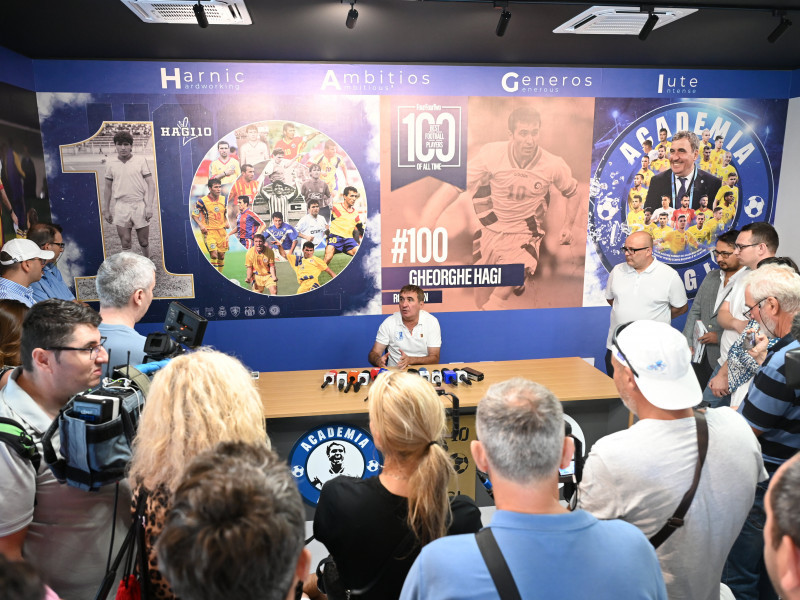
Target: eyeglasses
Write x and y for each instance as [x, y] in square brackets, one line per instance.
[722, 253]
[93, 351]
[747, 313]
[59, 244]
[627, 250]
[616, 345]
[739, 247]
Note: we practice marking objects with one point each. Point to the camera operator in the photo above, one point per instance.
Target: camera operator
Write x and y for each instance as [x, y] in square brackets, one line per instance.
[124, 283]
[64, 531]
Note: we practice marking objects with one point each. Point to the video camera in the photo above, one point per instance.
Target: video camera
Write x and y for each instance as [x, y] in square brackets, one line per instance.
[183, 327]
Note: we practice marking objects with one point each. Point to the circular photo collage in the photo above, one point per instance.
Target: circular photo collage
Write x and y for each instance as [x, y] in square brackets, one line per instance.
[278, 207]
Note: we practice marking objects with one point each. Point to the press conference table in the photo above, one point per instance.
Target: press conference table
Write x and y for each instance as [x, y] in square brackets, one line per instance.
[295, 407]
[288, 394]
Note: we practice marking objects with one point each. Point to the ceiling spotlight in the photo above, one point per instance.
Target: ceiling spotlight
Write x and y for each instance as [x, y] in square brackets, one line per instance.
[352, 16]
[780, 29]
[505, 17]
[200, 15]
[648, 26]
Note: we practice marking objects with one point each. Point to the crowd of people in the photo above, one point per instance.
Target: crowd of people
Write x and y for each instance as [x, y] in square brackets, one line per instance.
[697, 499]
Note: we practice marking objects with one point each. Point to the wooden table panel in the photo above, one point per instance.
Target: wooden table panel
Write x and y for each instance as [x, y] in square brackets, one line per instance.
[298, 393]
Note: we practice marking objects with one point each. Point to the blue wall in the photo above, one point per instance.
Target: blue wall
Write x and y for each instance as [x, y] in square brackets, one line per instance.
[338, 342]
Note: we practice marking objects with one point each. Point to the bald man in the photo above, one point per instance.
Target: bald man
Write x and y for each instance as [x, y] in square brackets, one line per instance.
[642, 288]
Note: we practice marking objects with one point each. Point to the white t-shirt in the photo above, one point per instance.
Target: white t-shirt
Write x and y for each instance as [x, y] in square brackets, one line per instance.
[737, 306]
[640, 475]
[643, 296]
[394, 334]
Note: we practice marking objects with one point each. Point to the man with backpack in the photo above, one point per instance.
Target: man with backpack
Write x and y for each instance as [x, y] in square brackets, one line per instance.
[63, 531]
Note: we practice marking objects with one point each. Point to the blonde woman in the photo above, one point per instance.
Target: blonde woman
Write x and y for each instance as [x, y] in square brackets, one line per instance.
[374, 528]
[195, 402]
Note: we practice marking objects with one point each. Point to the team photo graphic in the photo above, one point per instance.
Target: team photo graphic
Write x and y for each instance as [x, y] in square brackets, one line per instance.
[685, 190]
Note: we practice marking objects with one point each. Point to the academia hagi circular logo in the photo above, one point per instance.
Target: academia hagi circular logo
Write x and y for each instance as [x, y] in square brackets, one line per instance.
[331, 450]
[612, 216]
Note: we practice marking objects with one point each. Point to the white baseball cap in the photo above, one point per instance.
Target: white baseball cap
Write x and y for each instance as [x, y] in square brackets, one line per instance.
[661, 361]
[22, 250]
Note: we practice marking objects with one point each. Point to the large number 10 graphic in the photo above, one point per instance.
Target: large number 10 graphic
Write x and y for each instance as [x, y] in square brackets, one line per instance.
[128, 203]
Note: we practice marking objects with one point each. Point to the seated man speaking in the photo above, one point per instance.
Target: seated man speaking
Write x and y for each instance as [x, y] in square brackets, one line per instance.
[412, 336]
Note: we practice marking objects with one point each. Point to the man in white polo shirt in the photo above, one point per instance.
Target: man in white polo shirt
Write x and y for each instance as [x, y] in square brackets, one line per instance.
[411, 336]
[642, 288]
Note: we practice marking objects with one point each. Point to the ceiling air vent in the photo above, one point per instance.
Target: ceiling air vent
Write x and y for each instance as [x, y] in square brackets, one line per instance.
[218, 12]
[619, 20]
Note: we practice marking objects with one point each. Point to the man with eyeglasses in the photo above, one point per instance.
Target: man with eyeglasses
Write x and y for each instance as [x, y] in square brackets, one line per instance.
[125, 283]
[715, 288]
[21, 264]
[641, 474]
[642, 288]
[755, 242]
[62, 530]
[51, 285]
[771, 408]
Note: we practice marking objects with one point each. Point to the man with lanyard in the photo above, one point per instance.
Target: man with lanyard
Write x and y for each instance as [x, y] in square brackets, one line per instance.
[713, 291]
[683, 177]
[755, 242]
[411, 336]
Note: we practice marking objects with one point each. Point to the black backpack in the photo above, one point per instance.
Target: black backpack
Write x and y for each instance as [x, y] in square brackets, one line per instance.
[14, 435]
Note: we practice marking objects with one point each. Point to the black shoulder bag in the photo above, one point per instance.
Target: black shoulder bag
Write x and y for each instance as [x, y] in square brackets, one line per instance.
[676, 520]
[497, 565]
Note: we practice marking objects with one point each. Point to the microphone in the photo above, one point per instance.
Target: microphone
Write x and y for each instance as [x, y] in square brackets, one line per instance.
[413, 371]
[436, 377]
[328, 379]
[423, 372]
[449, 376]
[351, 379]
[363, 379]
[473, 374]
[487, 484]
[341, 379]
[463, 377]
[374, 373]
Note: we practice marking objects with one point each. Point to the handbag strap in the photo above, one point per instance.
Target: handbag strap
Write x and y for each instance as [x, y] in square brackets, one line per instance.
[498, 567]
[676, 520]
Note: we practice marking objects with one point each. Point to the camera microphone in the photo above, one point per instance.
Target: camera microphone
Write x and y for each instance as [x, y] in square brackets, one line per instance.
[487, 484]
[328, 379]
[436, 377]
[463, 377]
[449, 376]
[374, 373]
[363, 379]
[341, 380]
[352, 376]
[423, 372]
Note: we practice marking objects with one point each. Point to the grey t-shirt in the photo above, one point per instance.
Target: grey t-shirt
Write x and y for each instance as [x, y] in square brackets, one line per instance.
[640, 475]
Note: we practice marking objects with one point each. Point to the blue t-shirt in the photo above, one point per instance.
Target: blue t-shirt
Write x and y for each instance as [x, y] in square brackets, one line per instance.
[569, 555]
[121, 340]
